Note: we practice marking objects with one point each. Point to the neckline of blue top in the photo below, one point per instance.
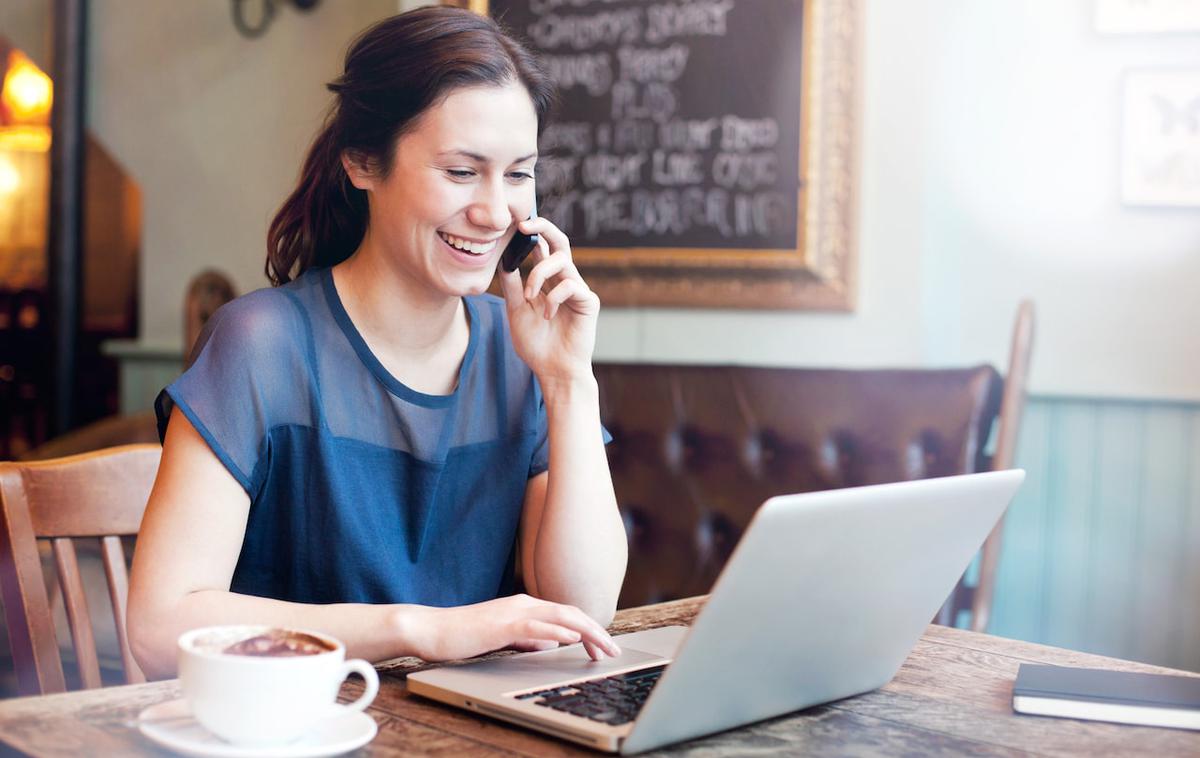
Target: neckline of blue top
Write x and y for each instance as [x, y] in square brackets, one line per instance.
[394, 385]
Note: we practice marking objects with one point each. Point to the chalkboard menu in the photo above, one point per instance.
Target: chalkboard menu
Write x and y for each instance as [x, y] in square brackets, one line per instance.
[679, 122]
[703, 151]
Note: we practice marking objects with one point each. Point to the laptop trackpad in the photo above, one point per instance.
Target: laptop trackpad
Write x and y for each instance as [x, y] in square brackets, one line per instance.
[518, 672]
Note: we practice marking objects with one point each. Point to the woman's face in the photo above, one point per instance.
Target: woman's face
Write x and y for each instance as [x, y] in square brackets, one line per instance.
[460, 182]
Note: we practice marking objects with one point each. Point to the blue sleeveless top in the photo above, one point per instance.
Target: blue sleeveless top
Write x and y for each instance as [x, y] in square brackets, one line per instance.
[362, 489]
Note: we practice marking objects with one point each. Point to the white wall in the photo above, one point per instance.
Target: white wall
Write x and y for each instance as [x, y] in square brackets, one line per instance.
[1020, 196]
[213, 126]
[26, 24]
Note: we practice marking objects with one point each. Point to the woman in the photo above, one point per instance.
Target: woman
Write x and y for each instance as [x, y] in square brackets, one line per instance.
[368, 448]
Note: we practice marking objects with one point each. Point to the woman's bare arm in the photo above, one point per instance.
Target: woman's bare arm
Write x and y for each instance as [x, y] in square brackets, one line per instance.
[573, 544]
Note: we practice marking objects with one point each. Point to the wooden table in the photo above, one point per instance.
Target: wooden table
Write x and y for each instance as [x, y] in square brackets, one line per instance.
[951, 697]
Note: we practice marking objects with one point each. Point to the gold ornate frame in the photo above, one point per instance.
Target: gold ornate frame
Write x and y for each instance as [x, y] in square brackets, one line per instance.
[820, 273]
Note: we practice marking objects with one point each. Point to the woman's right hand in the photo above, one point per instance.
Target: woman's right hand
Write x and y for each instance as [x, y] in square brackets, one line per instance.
[519, 621]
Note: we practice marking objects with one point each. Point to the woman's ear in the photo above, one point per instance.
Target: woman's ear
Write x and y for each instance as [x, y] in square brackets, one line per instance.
[356, 168]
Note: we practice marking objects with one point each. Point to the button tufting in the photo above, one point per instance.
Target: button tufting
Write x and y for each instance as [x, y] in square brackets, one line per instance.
[914, 460]
[753, 453]
[632, 521]
[828, 456]
[931, 441]
[674, 449]
[693, 447]
[837, 454]
[716, 536]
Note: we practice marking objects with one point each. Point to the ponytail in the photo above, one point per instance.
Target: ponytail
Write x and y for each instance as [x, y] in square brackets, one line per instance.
[324, 219]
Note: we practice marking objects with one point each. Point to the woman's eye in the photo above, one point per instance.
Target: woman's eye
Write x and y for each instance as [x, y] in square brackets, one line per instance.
[460, 173]
[520, 176]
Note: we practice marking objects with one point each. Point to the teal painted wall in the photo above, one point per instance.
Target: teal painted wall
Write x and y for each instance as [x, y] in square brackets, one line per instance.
[1102, 545]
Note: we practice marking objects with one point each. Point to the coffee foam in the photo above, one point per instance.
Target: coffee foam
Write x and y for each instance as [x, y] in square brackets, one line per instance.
[281, 643]
[217, 640]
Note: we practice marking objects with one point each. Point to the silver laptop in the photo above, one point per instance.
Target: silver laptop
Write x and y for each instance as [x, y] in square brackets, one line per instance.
[824, 597]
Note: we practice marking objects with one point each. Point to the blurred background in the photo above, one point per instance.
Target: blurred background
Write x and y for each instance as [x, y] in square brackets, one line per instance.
[992, 135]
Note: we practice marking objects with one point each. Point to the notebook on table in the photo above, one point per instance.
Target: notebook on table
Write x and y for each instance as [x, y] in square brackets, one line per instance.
[823, 598]
[1098, 695]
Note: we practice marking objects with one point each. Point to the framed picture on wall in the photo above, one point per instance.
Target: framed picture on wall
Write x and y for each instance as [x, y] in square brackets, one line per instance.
[702, 153]
[1160, 151]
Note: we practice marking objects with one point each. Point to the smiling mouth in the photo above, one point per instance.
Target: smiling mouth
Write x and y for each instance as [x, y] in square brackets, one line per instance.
[473, 248]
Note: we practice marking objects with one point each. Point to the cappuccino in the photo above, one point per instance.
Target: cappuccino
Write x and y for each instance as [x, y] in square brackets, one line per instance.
[266, 686]
[280, 642]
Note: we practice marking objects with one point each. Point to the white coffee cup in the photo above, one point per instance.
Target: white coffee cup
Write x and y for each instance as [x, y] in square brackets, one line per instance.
[264, 700]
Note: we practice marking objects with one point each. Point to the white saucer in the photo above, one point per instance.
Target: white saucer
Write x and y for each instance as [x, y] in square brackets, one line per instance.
[171, 725]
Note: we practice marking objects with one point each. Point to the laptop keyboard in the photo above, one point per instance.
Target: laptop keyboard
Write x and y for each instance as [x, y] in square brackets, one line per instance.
[613, 700]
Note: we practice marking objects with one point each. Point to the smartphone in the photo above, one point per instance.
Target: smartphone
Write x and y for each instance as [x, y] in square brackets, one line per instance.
[519, 247]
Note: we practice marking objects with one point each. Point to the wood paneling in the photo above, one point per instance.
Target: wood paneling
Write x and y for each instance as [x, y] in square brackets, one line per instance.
[1102, 544]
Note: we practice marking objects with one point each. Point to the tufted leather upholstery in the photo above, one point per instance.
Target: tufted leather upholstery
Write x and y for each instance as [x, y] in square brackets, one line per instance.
[696, 449]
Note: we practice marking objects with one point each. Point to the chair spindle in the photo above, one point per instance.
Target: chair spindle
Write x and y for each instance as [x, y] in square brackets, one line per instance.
[118, 590]
[75, 601]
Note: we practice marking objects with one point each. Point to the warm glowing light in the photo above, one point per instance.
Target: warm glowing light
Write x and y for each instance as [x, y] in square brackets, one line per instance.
[25, 100]
[29, 138]
[10, 178]
[28, 93]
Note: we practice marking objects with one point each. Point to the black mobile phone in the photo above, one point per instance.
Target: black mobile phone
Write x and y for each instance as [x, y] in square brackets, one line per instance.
[519, 247]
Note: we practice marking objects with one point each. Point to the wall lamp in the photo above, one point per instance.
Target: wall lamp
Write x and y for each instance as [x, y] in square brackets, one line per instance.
[257, 25]
[25, 99]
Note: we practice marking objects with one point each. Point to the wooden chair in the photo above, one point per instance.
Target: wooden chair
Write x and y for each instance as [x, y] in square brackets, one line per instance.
[206, 292]
[102, 495]
[127, 429]
[1012, 407]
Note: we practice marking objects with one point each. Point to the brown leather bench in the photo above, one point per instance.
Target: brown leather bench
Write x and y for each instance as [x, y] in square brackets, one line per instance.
[696, 449]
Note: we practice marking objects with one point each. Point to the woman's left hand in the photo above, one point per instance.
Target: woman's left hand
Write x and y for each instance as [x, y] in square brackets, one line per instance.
[553, 315]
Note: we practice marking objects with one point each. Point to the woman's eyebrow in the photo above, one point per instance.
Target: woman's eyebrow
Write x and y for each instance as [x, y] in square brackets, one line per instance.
[482, 159]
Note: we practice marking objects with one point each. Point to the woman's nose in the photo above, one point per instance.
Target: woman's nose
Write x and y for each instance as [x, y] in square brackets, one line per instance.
[491, 209]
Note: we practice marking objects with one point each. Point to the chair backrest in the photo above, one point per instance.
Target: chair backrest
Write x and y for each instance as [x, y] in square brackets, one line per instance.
[1012, 408]
[698, 448]
[102, 495]
[128, 429]
[206, 292]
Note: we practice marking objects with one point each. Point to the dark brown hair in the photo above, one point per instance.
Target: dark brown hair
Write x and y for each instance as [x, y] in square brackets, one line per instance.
[394, 72]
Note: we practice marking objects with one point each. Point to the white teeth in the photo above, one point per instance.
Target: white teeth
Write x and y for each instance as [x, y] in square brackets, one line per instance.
[475, 248]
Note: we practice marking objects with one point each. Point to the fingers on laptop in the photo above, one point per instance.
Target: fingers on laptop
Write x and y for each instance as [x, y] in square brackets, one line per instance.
[594, 636]
[542, 630]
[567, 625]
[531, 646]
